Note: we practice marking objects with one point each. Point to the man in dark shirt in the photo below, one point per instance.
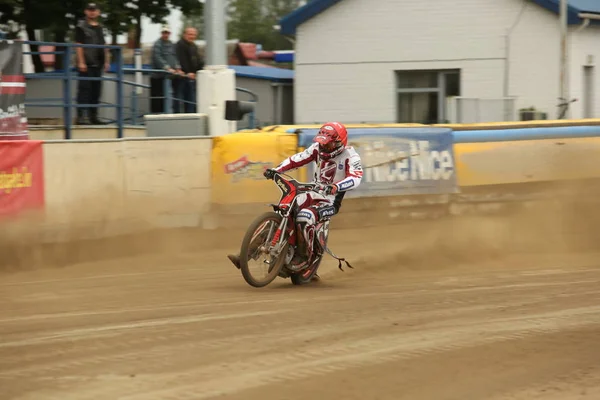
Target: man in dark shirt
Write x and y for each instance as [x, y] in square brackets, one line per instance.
[90, 63]
[189, 58]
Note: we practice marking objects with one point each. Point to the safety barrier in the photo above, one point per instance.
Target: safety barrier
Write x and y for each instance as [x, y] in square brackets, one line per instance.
[106, 187]
[419, 160]
[96, 188]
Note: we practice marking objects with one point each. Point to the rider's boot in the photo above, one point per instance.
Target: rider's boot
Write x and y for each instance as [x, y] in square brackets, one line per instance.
[235, 259]
[300, 261]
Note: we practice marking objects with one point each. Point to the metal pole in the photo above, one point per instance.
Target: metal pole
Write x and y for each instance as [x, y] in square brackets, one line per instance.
[68, 116]
[138, 74]
[563, 51]
[120, 93]
[215, 32]
[168, 95]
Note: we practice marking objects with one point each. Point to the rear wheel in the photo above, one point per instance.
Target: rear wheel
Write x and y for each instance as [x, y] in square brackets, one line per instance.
[254, 249]
[306, 276]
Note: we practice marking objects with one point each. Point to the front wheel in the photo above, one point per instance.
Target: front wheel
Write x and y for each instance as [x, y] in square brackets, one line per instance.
[255, 246]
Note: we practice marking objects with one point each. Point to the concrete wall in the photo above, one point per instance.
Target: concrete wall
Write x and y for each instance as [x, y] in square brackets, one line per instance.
[108, 187]
[349, 53]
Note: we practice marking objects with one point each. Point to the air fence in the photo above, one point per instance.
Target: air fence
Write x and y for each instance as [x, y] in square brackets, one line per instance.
[98, 188]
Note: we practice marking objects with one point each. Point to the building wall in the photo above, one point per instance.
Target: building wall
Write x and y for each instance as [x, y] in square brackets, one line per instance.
[350, 51]
[534, 55]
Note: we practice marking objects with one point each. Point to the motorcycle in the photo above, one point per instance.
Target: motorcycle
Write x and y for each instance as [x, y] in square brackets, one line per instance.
[274, 234]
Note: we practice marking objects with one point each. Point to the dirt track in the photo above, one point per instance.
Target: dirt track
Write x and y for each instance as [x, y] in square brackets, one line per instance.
[427, 313]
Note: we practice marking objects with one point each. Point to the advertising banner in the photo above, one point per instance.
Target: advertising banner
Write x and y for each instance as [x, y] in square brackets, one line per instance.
[239, 161]
[21, 176]
[400, 161]
[13, 121]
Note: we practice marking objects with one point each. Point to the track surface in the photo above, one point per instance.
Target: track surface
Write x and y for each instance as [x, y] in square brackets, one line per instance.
[184, 325]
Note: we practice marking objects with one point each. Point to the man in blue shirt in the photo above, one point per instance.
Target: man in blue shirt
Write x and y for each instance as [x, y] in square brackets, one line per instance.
[164, 57]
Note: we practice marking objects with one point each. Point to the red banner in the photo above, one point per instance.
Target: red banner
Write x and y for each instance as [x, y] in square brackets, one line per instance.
[21, 176]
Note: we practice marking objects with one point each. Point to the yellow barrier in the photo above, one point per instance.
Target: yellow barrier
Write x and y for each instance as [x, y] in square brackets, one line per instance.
[527, 161]
[239, 160]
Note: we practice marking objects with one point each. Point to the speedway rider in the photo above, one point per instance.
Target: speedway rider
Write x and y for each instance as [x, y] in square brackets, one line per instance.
[338, 169]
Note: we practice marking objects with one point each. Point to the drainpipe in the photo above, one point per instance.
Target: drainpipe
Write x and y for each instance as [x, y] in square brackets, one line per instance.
[563, 85]
[506, 90]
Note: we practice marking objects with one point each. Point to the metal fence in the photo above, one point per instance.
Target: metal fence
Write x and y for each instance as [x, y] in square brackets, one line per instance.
[128, 93]
[471, 110]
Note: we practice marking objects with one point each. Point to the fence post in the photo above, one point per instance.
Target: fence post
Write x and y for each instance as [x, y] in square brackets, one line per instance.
[120, 102]
[138, 89]
[168, 100]
[68, 114]
[133, 106]
[138, 73]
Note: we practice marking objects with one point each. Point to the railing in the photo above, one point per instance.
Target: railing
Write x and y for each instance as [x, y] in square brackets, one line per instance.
[473, 109]
[134, 117]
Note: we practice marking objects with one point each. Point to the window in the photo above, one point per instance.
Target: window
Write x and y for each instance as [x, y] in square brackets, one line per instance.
[421, 94]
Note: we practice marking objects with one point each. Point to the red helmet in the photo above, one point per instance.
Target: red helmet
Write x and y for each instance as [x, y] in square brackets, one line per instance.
[332, 139]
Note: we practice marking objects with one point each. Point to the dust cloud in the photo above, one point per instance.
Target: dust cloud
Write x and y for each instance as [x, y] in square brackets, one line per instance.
[566, 220]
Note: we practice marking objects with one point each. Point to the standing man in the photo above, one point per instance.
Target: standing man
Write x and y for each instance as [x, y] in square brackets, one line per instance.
[189, 58]
[90, 63]
[163, 57]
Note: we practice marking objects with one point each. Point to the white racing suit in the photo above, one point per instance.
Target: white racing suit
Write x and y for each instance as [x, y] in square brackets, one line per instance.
[344, 171]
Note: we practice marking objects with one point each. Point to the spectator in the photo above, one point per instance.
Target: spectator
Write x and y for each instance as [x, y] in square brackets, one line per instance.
[189, 58]
[90, 63]
[163, 57]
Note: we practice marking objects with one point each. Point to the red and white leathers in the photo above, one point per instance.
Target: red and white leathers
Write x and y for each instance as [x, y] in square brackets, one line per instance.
[344, 170]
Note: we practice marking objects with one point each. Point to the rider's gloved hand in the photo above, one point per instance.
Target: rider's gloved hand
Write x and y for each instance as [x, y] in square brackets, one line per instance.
[269, 173]
[331, 189]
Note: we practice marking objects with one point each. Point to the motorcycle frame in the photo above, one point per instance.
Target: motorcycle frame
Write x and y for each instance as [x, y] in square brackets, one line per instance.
[285, 208]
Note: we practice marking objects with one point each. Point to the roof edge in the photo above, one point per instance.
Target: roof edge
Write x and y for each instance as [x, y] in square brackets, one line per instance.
[572, 11]
[290, 22]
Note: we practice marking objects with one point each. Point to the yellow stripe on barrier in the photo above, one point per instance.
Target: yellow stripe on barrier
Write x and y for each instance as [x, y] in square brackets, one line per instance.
[457, 126]
[289, 128]
[519, 124]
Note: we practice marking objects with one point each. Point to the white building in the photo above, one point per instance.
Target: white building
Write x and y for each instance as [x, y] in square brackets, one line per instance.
[401, 60]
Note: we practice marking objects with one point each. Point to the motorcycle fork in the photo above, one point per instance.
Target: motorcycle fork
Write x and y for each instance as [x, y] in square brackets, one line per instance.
[278, 240]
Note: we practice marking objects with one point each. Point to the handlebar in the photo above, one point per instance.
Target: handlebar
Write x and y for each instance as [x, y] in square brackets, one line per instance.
[303, 186]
